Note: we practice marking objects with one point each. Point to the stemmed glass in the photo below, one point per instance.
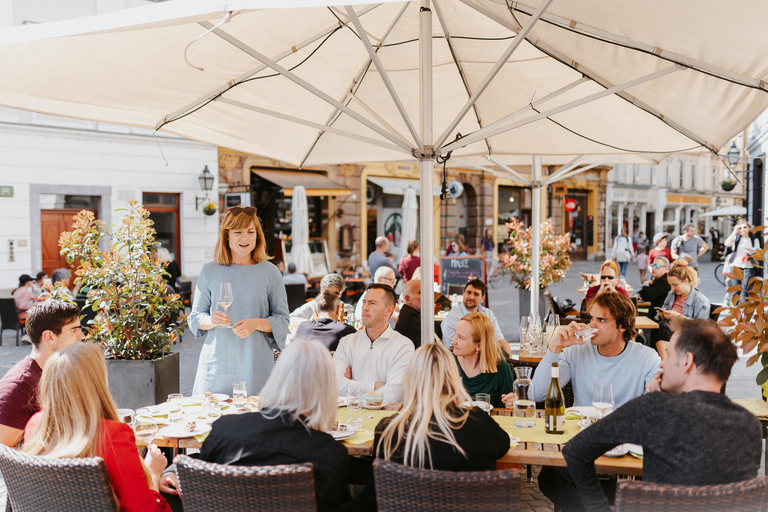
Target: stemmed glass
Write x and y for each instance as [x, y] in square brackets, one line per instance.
[144, 427]
[225, 298]
[602, 399]
[524, 333]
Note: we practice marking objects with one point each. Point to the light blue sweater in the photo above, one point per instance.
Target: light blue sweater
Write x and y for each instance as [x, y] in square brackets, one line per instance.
[583, 365]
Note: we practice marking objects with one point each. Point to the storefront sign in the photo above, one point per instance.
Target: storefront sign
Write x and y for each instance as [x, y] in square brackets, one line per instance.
[559, 189]
[570, 204]
[6, 191]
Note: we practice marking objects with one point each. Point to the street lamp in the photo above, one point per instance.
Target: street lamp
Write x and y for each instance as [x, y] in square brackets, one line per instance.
[734, 154]
[206, 184]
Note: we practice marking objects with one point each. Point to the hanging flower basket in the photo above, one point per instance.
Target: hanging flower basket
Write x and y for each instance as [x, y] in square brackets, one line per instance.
[209, 209]
[728, 185]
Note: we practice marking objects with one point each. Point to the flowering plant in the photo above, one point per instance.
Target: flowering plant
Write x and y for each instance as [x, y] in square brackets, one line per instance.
[209, 208]
[555, 260]
[135, 317]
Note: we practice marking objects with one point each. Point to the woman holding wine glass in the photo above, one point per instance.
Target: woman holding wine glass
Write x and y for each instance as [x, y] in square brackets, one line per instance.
[240, 307]
[78, 418]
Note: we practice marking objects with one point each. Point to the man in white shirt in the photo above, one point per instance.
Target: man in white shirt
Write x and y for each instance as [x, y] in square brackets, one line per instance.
[384, 275]
[293, 277]
[374, 358]
[474, 295]
[333, 283]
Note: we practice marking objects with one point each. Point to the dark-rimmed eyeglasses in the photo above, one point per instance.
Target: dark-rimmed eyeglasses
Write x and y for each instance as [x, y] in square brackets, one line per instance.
[237, 210]
[607, 277]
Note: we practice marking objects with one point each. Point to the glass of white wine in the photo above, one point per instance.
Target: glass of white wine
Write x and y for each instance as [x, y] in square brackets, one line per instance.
[144, 428]
[239, 395]
[602, 399]
[225, 298]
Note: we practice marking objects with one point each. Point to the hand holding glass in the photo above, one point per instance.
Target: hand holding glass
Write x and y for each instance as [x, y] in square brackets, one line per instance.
[225, 298]
[145, 428]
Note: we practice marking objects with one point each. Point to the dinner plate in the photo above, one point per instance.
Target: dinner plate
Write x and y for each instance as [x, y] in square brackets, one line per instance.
[217, 396]
[635, 450]
[619, 451]
[340, 435]
[177, 430]
[366, 405]
[475, 403]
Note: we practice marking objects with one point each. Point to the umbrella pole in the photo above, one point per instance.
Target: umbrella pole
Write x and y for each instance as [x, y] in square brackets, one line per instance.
[426, 166]
[535, 222]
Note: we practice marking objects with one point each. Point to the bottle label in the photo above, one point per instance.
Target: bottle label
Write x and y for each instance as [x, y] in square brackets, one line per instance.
[560, 423]
[555, 372]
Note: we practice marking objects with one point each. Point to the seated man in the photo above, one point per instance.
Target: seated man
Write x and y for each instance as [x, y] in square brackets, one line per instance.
[376, 356]
[409, 322]
[474, 295]
[326, 328]
[63, 275]
[384, 275]
[293, 277]
[691, 433]
[656, 290]
[51, 325]
[610, 356]
[333, 283]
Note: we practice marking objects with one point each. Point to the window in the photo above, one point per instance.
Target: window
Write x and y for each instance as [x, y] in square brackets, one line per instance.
[635, 174]
[164, 211]
[693, 177]
[681, 183]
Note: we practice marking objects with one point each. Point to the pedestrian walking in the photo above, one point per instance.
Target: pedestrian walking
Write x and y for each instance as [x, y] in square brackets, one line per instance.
[622, 251]
[642, 262]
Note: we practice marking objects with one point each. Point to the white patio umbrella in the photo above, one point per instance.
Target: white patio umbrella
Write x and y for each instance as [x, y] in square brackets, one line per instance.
[297, 80]
[726, 210]
[410, 220]
[301, 256]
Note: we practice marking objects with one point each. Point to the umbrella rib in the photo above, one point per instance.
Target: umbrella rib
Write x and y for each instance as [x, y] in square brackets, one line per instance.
[304, 84]
[481, 134]
[481, 167]
[384, 75]
[511, 171]
[356, 81]
[492, 73]
[292, 119]
[236, 81]
[573, 172]
[563, 170]
[459, 68]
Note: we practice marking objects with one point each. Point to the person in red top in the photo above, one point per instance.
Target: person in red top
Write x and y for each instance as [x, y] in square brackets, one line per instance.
[660, 248]
[79, 419]
[409, 264]
[609, 277]
[51, 325]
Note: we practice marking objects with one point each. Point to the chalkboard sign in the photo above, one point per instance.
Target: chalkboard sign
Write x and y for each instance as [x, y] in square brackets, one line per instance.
[457, 270]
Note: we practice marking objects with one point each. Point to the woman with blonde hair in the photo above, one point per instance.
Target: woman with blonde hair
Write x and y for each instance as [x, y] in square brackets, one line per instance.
[78, 418]
[479, 359]
[243, 350]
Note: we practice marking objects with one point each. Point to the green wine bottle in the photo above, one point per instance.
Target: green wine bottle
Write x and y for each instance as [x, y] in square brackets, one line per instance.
[554, 405]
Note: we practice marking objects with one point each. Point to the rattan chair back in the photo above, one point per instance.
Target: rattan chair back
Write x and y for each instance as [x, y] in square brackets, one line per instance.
[404, 489]
[747, 496]
[206, 486]
[65, 485]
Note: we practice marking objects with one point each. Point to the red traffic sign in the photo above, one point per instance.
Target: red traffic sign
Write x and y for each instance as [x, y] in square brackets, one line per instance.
[570, 204]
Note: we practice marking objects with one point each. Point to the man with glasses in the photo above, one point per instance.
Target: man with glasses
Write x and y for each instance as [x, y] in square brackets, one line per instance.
[472, 302]
[655, 290]
[333, 283]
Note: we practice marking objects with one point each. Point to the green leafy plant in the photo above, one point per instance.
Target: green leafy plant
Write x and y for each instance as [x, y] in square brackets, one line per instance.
[58, 291]
[135, 317]
[747, 322]
[728, 182]
[555, 259]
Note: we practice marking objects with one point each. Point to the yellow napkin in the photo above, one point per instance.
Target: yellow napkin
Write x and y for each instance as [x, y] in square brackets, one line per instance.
[756, 406]
[537, 434]
[201, 437]
[371, 418]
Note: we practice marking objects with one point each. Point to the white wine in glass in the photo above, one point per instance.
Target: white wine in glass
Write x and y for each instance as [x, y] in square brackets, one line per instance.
[145, 428]
[225, 298]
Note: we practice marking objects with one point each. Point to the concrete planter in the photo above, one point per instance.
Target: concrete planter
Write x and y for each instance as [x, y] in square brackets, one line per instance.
[525, 302]
[135, 384]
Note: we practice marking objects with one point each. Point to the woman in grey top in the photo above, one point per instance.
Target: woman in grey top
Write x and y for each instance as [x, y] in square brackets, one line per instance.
[259, 312]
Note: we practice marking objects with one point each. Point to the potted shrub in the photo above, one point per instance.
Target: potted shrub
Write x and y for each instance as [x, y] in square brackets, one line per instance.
[136, 320]
[728, 184]
[554, 263]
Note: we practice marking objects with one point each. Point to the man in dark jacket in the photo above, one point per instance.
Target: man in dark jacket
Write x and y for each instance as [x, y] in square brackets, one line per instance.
[409, 322]
[326, 329]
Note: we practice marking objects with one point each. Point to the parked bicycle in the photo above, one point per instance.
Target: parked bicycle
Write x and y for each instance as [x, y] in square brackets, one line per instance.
[496, 274]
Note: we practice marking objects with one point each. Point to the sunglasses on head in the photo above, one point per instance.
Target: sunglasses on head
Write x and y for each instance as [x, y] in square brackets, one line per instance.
[237, 210]
[608, 277]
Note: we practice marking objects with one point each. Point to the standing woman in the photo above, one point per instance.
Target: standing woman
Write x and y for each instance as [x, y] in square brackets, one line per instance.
[622, 251]
[743, 245]
[259, 312]
[488, 247]
[409, 264]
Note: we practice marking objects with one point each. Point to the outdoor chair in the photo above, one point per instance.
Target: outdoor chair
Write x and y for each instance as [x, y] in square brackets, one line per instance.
[458, 289]
[185, 292]
[402, 489]
[206, 486]
[65, 485]
[747, 496]
[566, 317]
[9, 319]
[297, 295]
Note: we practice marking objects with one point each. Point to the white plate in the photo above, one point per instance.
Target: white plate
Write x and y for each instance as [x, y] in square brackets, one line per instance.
[634, 449]
[217, 396]
[475, 403]
[583, 411]
[374, 407]
[619, 451]
[177, 430]
[340, 435]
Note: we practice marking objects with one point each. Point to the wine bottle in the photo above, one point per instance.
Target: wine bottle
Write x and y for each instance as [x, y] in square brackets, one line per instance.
[554, 405]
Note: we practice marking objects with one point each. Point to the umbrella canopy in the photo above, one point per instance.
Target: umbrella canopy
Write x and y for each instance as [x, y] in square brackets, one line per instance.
[728, 210]
[301, 256]
[297, 80]
[410, 220]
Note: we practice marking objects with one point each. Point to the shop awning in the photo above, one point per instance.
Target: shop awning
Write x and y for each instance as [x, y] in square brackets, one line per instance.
[398, 186]
[315, 184]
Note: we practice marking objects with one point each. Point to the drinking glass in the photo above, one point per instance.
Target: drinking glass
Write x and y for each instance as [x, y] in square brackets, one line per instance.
[602, 399]
[524, 334]
[354, 406]
[585, 333]
[212, 409]
[225, 298]
[552, 325]
[484, 401]
[174, 407]
[239, 394]
[144, 428]
[126, 416]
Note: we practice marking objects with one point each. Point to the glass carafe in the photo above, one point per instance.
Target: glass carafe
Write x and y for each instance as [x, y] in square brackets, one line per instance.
[525, 405]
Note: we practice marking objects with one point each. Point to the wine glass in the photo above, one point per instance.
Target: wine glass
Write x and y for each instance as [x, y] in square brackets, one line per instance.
[523, 333]
[225, 298]
[602, 399]
[552, 325]
[144, 427]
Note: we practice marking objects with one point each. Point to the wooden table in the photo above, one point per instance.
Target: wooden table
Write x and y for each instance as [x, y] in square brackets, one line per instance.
[527, 357]
[643, 322]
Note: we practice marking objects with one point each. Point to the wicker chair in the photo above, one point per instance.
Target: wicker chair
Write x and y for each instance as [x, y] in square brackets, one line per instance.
[747, 496]
[65, 485]
[402, 489]
[205, 486]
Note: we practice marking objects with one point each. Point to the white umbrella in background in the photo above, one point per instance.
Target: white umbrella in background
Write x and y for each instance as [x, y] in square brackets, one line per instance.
[725, 211]
[410, 220]
[301, 256]
[310, 82]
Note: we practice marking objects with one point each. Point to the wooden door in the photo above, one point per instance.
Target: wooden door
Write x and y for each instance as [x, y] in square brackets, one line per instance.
[52, 224]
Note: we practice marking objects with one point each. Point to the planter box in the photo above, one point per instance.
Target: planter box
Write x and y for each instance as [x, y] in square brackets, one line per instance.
[525, 302]
[135, 384]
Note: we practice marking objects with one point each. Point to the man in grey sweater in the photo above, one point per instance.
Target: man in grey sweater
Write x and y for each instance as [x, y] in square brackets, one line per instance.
[691, 433]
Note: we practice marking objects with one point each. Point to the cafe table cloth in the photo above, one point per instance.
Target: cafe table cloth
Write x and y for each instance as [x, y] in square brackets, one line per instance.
[259, 292]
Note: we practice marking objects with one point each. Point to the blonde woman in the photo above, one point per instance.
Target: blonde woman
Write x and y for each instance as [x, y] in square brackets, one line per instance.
[298, 406]
[435, 430]
[478, 356]
[684, 300]
[239, 342]
[79, 419]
